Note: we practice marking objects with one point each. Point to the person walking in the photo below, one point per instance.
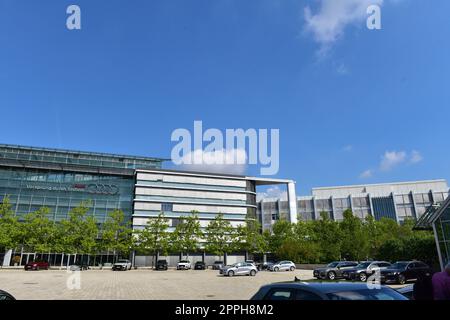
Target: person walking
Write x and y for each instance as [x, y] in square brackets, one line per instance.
[441, 284]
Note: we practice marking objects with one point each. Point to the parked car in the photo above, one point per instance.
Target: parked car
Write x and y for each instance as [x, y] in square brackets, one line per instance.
[5, 296]
[184, 265]
[403, 271]
[37, 265]
[217, 265]
[122, 265]
[333, 270]
[325, 291]
[162, 265]
[364, 270]
[238, 269]
[283, 266]
[407, 291]
[264, 265]
[200, 265]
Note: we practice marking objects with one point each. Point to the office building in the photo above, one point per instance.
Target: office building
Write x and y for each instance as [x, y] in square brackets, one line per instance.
[397, 201]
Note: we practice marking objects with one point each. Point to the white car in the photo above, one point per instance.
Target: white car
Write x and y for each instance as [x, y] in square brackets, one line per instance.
[184, 265]
[283, 266]
[122, 265]
[239, 269]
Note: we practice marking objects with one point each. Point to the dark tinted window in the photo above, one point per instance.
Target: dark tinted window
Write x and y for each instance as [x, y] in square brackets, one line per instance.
[3, 297]
[306, 295]
[421, 265]
[279, 294]
[367, 294]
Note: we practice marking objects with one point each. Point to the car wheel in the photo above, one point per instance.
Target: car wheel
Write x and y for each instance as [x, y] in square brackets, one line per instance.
[401, 279]
[37, 268]
[253, 273]
[276, 269]
[292, 269]
[362, 277]
[331, 275]
[230, 273]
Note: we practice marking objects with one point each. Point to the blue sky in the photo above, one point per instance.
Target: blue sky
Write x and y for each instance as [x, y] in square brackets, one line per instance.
[353, 105]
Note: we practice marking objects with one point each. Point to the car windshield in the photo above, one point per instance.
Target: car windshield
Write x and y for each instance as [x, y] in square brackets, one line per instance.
[184, 261]
[363, 265]
[332, 265]
[399, 265]
[367, 294]
[218, 262]
[122, 261]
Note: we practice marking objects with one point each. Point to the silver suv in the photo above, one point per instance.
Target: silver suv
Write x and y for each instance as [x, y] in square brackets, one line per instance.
[283, 266]
[238, 269]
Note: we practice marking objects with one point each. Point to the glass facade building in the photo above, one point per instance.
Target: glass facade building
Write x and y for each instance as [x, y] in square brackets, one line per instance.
[61, 179]
[437, 218]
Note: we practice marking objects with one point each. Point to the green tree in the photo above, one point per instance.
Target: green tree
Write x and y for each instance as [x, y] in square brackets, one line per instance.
[187, 234]
[10, 227]
[220, 236]
[250, 239]
[354, 244]
[155, 238]
[282, 230]
[40, 234]
[116, 233]
[328, 236]
[79, 231]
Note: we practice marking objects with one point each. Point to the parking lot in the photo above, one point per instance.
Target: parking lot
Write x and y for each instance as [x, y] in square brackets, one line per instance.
[138, 284]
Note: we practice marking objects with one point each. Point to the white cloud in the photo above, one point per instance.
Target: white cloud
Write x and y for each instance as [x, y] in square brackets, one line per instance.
[226, 161]
[416, 157]
[391, 159]
[366, 174]
[328, 24]
[273, 192]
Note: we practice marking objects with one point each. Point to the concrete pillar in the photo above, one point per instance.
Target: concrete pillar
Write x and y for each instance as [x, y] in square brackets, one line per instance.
[7, 258]
[292, 199]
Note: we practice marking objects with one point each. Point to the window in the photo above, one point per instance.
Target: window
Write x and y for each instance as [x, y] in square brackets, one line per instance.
[279, 294]
[306, 296]
[167, 207]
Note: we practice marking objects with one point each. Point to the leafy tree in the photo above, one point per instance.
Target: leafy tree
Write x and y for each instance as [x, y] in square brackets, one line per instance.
[155, 237]
[250, 239]
[220, 236]
[354, 244]
[79, 231]
[117, 233]
[187, 234]
[282, 230]
[328, 236]
[40, 234]
[10, 227]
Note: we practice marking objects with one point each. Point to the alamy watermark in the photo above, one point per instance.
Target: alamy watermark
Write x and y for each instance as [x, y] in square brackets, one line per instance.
[234, 147]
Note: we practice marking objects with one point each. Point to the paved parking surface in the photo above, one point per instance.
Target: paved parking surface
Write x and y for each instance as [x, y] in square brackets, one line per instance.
[137, 284]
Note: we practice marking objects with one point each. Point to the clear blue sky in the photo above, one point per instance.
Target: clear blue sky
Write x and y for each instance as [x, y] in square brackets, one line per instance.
[140, 69]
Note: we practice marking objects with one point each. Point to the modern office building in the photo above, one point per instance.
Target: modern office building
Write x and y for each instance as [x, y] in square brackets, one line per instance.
[61, 179]
[397, 201]
[178, 193]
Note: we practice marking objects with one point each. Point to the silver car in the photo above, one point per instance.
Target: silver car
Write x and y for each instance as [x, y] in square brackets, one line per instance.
[283, 266]
[238, 269]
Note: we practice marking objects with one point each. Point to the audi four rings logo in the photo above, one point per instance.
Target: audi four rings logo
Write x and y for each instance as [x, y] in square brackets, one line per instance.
[102, 188]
